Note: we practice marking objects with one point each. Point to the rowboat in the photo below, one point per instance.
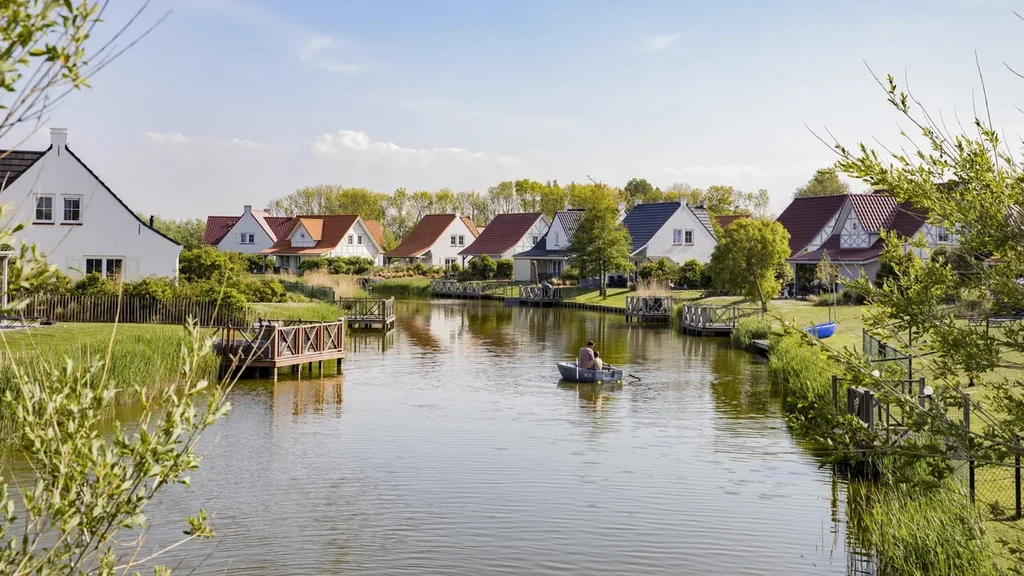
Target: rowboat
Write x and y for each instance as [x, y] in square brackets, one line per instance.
[571, 372]
[822, 331]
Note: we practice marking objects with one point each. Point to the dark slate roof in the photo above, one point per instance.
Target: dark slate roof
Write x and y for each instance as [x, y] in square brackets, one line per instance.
[14, 163]
[805, 217]
[540, 250]
[570, 220]
[502, 234]
[702, 214]
[905, 219]
[644, 221]
[874, 211]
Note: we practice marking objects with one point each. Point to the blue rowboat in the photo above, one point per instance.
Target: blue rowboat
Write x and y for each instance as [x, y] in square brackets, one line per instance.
[822, 331]
[570, 372]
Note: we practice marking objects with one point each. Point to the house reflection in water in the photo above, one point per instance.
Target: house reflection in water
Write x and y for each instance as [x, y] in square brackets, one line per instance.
[319, 396]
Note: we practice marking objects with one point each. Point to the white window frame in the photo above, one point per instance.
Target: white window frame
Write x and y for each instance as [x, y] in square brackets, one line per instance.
[105, 268]
[462, 240]
[40, 197]
[687, 234]
[677, 236]
[942, 235]
[359, 239]
[247, 238]
[448, 263]
[351, 238]
[64, 208]
[533, 240]
[453, 239]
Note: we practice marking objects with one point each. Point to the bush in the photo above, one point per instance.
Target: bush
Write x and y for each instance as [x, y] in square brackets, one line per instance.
[663, 271]
[845, 297]
[570, 274]
[263, 291]
[749, 329]
[504, 269]
[420, 269]
[157, 288]
[454, 268]
[481, 268]
[691, 274]
[317, 263]
[94, 285]
[208, 263]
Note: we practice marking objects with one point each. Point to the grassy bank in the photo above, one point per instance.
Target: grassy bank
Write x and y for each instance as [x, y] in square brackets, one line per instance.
[402, 287]
[312, 311]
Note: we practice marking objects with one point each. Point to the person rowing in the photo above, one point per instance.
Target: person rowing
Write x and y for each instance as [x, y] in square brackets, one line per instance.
[589, 359]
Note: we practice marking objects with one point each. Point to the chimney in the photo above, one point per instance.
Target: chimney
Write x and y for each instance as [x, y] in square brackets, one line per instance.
[58, 137]
[247, 208]
[622, 206]
[151, 219]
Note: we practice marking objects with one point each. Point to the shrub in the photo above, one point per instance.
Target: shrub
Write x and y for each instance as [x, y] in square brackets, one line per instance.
[94, 285]
[749, 329]
[663, 271]
[208, 263]
[481, 268]
[454, 268]
[845, 297]
[691, 274]
[263, 291]
[504, 269]
[420, 269]
[570, 274]
[157, 288]
[309, 264]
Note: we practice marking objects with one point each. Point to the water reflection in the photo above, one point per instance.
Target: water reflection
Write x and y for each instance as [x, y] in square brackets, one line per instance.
[317, 396]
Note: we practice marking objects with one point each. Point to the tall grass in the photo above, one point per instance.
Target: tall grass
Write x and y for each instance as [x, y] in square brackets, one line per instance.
[805, 374]
[652, 288]
[749, 329]
[313, 311]
[344, 286]
[409, 287]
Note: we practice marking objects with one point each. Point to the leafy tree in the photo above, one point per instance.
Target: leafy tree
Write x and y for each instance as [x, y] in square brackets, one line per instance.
[663, 271]
[208, 263]
[481, 268]
[553, 198]
[751, 258]
[691, 274]
[827, 272]
[504, 269]
[502, 197]
[825, 182]
[637, 190]
[601, 244]
[188, 232]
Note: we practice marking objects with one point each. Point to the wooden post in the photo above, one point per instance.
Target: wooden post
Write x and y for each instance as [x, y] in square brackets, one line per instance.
[835, 392]
[970, 445]
[1016, 477]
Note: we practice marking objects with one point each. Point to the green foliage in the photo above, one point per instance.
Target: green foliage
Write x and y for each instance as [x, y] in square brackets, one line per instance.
[308, 264]
[691, 274]
[332, 199]
[480, 268]
[94, 285]
[601, 244]
[751, 258]
[664, 271]
[354, 265]
[156, 288]
[504, 269]
[638, 190]
[825, 182]
[407, 287]
[570, 274]
[208, 263]
[263, 291]
[454, 268]
[188, 232]
[749, 329]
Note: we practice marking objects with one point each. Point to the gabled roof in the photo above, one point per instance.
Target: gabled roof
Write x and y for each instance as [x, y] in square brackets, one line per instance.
[540, 250]
[217, 227]
[805, 217]
[279, 225]
[725, 220]
[702, 214]
[570, 220]
[14, 163]
[423, 235]
[874, 211]
[502, 234]
[375, 230]
[473, 228]
[904, 219]
[330, 231]
[644, 221]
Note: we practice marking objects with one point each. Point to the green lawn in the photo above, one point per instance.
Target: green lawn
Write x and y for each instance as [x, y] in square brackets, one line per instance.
[74, 336]
[314, 311]
[617, 297]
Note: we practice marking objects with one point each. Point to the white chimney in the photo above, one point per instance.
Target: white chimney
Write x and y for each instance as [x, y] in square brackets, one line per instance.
[58, 137]
[247, 208]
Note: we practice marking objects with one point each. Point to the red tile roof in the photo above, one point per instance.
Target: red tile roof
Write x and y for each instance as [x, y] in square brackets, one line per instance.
[502, 234]
[217, 227]
[725, 220]
[329, 231]
[375, 230]
[874, 211]
[473, 228]
[423, 235]
[805, 217]
[279, 225]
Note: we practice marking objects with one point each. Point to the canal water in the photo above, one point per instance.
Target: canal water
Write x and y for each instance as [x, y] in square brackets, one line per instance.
[449, 447]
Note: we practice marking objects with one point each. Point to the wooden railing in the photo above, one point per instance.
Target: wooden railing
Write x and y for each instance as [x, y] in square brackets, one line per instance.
[554, 293]
[703, 317]
[650, 306]
[485, 289]
[270, 342]
[367, 309]
[134, 310]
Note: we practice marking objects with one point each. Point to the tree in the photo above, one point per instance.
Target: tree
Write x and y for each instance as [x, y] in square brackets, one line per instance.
[208, 263]
[504, 269]
[528, 195]
[691, 274]
[636, 191]
[601, 244]
[482, 268]
[188, 232]
[663, 271]
[825, 182]
[750, 258]
[502, 197]
[828, 274]
[553, 198]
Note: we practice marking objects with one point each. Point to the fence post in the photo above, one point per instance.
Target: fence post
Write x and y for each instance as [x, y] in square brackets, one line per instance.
[1016, 476]
[970, 456]
[920, 393]
[835, 392]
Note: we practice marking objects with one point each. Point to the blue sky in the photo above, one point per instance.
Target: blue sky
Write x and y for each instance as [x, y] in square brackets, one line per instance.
[233, 102]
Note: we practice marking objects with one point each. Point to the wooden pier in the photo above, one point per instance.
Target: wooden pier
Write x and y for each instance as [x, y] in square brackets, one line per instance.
[368, 314]
[276, 344]
[548, 296]
[646, 309]
[714, 320]
[488, 290]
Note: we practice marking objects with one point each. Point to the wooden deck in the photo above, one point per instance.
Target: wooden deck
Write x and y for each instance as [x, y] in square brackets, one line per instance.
[713, 320]
[552, 296]
[368, 313]
[489, 290]
[276, 344]
[646, 309]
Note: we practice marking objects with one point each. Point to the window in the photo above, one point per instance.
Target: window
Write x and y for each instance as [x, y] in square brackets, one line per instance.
[350, 236]
[855, 226]
[556, 239]
[72, 209]
[94, 266]
[44, 208]
[359, 239]
[688, 238]
[533, 240]
[247, 238]
[114, 267]
[448, 263]
[677, 237]
[110, 268]
[453, 239]
[943, 234]
[462, 240]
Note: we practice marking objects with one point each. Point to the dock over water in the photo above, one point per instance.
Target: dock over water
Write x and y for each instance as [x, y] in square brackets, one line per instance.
[714, 320]
[273, 344]
[368, 314]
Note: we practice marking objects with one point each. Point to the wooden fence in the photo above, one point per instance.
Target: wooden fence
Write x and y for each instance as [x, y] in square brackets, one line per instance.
[359, 311]
[714, 319]
[553, 294]
[273, 344]
[135, 310]
[486, 289]
[650, 307]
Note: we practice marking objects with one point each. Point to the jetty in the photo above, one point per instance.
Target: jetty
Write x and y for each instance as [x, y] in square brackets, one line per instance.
[368, 313]
[548, 295]
[714, 320]
[274, 344]
[646, 309]
[487, 290]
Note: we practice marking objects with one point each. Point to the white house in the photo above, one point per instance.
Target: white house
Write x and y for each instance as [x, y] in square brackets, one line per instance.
[327, 236]
[671, 230]
[435, 240]
[849, 228]
[76, 220]
[549, 257]
[252, 232]
[507, 235]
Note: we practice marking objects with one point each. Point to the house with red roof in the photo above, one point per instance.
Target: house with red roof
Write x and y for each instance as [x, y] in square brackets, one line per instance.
[252, 232]
[849, 228]
[435, 240]
[506, 235]
[324, 236]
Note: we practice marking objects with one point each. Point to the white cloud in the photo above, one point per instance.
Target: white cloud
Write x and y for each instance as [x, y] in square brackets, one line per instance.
[326, 52]
[659, 42]
[177, 138]
[347, 142]
[172, 137]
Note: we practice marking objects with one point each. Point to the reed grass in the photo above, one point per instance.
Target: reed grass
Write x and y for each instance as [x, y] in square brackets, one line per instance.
[313, 311]
[652, 288]
[344, 285]
[407, 287]
[749, 329]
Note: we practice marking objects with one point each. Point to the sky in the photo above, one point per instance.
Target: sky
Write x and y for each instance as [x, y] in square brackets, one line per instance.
[233, 102]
